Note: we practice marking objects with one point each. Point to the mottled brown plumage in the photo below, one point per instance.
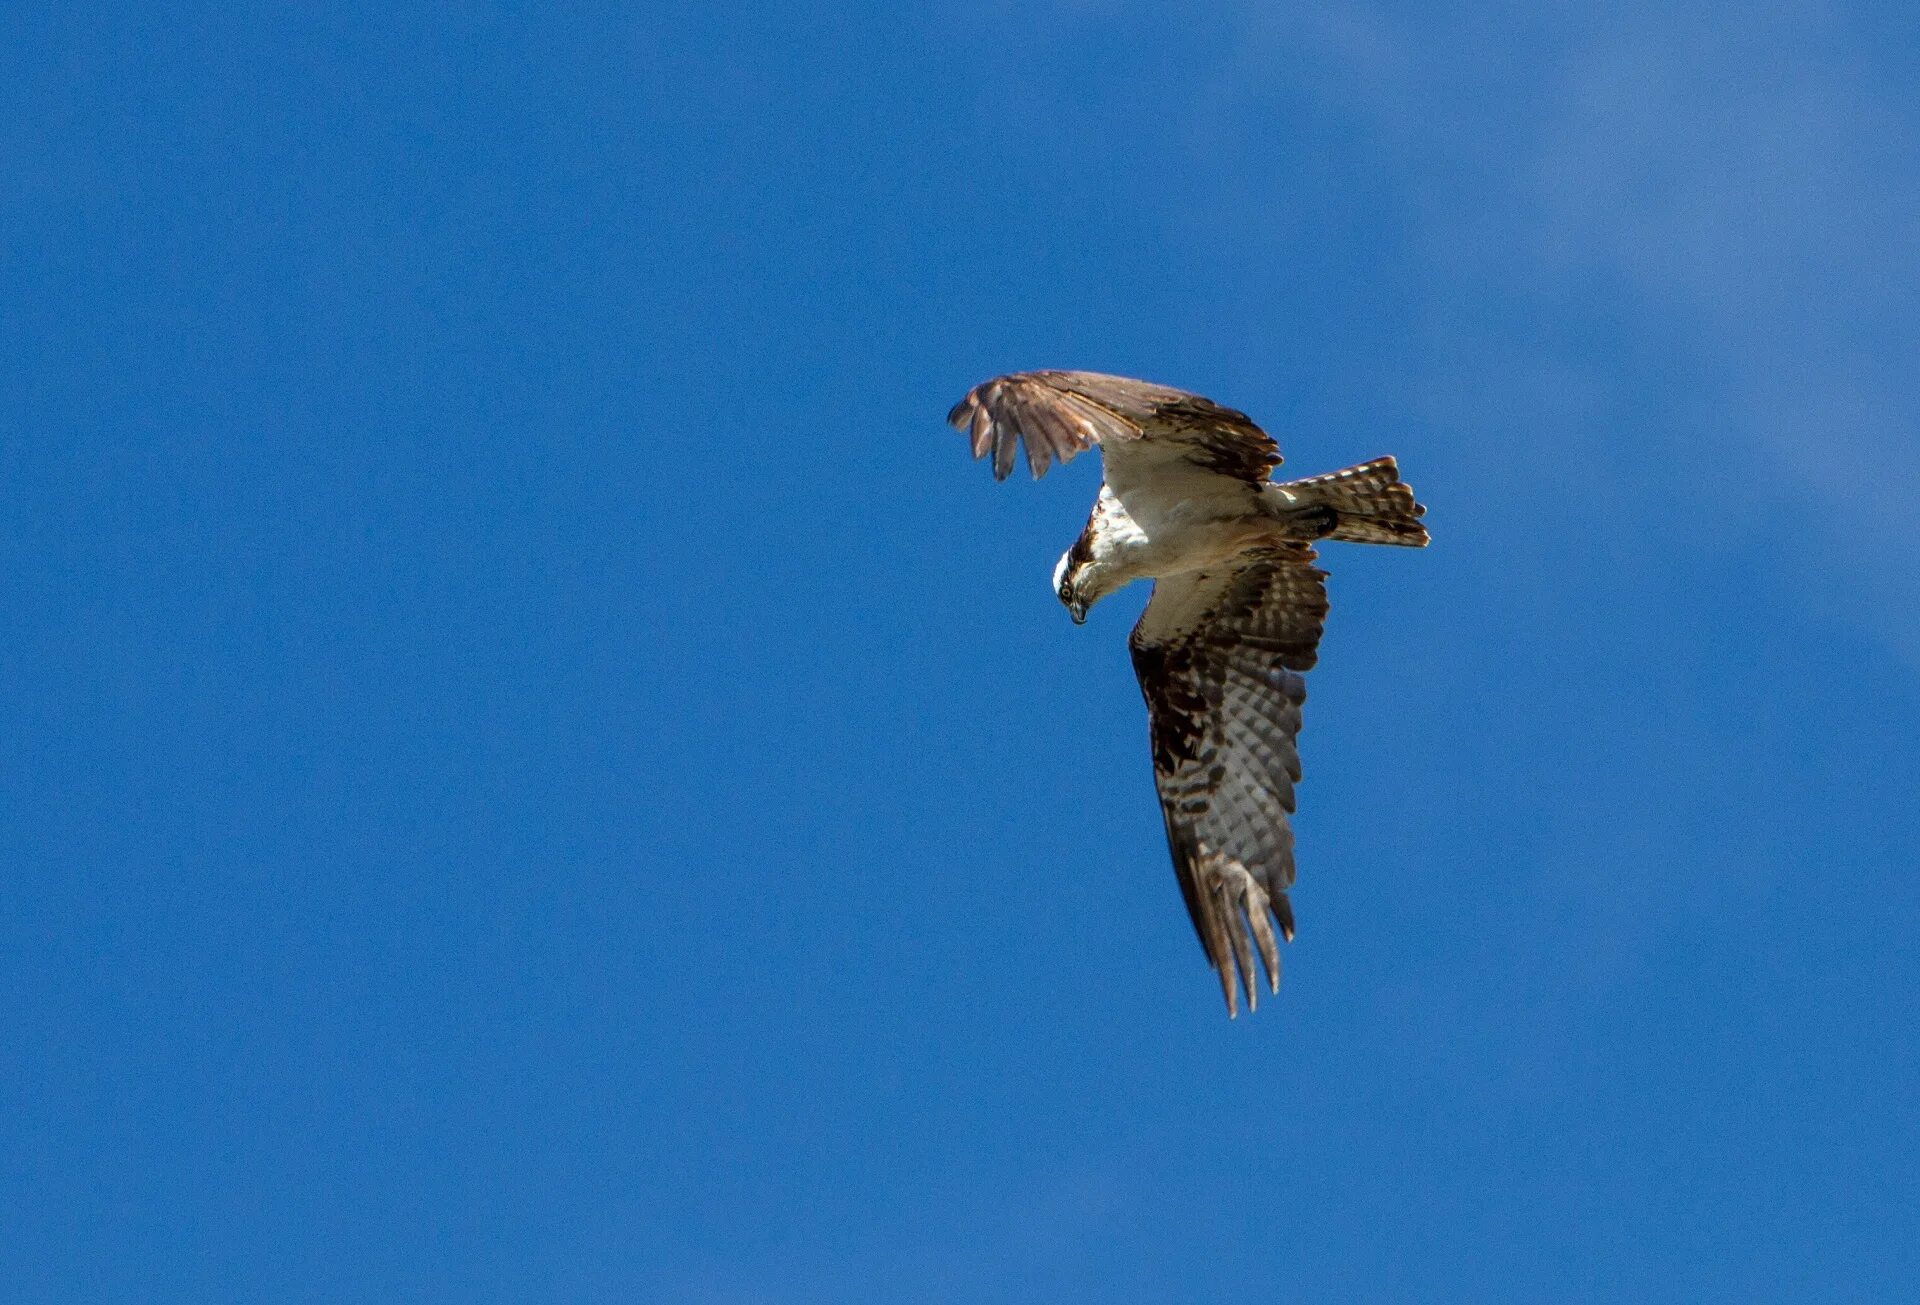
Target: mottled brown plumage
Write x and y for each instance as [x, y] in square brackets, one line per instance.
[1219, 656]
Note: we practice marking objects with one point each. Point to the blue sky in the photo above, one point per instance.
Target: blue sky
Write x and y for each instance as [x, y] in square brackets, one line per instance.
[535, 769]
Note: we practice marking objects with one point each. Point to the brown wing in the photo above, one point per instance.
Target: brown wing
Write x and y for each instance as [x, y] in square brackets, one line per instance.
[1058, 415]
[1219, 656]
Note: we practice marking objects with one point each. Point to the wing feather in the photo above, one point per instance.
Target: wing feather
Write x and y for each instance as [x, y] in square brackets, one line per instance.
[1219, 656]
[1057, 415]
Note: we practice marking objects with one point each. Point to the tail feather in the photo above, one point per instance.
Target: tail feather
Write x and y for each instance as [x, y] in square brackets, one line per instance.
[1374, 505]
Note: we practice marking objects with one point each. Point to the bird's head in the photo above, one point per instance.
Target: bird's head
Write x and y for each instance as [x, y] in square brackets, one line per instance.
[1074, 584]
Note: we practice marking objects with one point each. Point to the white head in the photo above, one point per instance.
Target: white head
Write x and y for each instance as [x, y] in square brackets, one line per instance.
[1078, 581]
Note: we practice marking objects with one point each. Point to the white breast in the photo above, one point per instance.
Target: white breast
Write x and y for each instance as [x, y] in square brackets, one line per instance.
[1163, 515]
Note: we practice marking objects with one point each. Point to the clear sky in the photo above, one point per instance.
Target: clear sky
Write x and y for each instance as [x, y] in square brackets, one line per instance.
[532, 767]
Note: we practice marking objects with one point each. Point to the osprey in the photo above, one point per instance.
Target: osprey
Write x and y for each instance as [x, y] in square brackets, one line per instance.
[1235, 617]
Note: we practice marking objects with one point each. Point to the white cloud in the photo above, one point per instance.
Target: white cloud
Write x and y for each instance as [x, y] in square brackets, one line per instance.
[1747, 186]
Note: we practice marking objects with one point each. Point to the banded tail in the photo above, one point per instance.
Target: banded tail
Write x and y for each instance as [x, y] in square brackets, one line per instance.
[1374, 506]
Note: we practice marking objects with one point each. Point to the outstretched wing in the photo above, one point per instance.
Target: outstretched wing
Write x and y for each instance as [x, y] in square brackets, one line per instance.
[1219, 655]
[1057, 415]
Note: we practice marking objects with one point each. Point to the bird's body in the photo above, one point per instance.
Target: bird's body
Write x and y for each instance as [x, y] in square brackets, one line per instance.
[1234, 619]
[1162, 527]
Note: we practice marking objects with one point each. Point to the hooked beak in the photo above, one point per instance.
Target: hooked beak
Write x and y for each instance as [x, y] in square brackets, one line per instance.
[1078, 611]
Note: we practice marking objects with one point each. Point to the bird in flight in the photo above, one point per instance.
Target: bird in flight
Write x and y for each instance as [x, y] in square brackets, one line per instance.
[1235, 617]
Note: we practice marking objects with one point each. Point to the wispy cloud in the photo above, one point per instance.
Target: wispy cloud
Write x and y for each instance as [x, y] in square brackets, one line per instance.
[1746, 191]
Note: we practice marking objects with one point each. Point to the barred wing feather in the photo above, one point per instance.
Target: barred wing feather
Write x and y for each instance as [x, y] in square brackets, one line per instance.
[1219, 656]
